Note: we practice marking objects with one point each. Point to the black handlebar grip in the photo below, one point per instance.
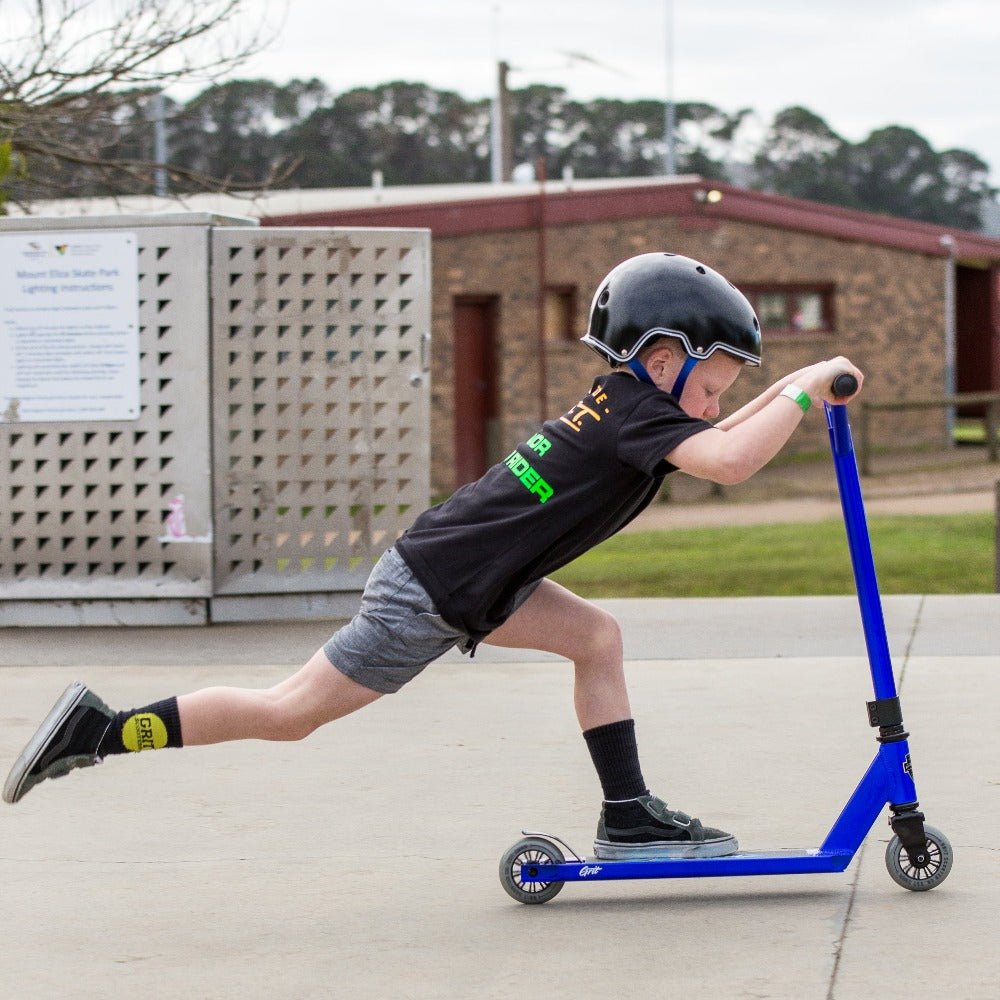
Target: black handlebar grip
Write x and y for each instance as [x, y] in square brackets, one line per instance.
[845, 385]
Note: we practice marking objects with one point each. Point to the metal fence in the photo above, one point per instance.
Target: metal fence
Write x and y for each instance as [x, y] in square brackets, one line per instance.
[989, 400]
[281, 445]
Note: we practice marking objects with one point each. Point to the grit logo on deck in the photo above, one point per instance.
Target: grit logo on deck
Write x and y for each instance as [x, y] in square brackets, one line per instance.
[589, 870]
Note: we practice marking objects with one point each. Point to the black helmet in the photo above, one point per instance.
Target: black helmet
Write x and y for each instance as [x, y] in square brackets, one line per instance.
[666, 295]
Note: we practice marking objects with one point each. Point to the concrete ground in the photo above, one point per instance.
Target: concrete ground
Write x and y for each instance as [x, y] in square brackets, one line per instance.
[363, 862]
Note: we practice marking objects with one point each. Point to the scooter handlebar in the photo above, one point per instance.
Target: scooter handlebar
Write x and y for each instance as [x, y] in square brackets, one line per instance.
[844, 385]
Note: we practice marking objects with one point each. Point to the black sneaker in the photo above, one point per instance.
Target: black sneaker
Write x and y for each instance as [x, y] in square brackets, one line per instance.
[646, 828]
[68, 738]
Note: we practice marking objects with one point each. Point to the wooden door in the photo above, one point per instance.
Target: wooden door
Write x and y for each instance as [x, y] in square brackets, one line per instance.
[475, 384]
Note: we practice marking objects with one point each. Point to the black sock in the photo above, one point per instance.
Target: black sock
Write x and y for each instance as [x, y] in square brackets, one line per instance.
[616, 757]
[151, 728]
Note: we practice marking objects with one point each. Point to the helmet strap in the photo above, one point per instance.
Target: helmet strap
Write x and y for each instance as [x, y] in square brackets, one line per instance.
[682, 376]
[639, 370]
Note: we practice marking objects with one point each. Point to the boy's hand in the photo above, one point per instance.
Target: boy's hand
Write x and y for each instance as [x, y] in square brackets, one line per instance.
[745, 442]
[817, 380]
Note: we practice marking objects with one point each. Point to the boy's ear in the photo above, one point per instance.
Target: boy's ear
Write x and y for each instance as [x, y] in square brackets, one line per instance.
[662, 353]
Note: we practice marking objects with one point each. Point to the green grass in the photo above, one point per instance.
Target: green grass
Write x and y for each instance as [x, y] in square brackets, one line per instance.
[937, 554]
[969, 433]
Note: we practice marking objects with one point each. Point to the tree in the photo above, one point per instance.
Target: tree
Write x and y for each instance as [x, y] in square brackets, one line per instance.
[707, 137]
[967, 186]
[236, 130]
[894, 171]
[409, 131]
[799, 157]
[613, 138]
[538, 125]
[11, 165]
[72, 73]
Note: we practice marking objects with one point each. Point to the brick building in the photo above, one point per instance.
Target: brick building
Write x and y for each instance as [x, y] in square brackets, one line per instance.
[515, 265]
[514, 268]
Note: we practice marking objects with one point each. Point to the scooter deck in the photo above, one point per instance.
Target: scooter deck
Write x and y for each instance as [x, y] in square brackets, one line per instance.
[785, 862]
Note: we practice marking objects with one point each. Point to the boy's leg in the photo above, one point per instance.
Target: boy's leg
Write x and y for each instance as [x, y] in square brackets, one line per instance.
[633, 823]
[291, 710]
[556, 620]
[81, 730]
[392, 638]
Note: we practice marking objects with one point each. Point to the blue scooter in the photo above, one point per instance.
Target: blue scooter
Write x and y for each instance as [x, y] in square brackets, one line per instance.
[918, 856]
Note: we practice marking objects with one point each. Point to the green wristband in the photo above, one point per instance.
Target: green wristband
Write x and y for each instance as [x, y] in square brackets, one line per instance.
[798, 396]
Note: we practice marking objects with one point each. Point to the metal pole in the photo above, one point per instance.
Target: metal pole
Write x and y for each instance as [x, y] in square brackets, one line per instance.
[496, 107]
[864, 442]
[543, 368]
[506, 135]
[496, 141]
[950, 335]
[669, 111]
[159, 145]
[996, 535]
[992, 423]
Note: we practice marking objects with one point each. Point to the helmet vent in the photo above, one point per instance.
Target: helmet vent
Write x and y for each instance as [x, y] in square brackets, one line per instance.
[701, 270]
[605, 295]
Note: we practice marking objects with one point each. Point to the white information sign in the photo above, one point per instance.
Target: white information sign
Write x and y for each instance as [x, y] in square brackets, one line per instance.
[69, 326]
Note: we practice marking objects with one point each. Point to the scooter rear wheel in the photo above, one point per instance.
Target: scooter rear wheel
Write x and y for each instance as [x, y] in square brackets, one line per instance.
[531, 850]
[906, 874]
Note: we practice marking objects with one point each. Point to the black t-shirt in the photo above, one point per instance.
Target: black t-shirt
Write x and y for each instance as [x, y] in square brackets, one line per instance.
[575, 483]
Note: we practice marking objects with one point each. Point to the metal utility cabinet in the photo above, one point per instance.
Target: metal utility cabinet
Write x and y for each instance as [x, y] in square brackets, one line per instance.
[281, 438]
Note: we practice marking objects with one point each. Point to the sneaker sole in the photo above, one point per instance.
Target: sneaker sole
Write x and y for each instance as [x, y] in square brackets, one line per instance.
[606, 851]
[14, 787]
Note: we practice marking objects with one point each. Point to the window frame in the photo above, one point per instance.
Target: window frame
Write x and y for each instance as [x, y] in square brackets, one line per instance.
[791, 290]
[567, 297]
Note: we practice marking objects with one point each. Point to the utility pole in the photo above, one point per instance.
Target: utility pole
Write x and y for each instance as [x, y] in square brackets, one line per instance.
[500, 155]
[159, 145]
[501, 151]
[669, 113]
[950, 333]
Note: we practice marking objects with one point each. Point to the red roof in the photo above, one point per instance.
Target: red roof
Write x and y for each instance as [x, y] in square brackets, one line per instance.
[687, 201]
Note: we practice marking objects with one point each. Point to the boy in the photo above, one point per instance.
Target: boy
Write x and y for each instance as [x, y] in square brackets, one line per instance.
[474, 569]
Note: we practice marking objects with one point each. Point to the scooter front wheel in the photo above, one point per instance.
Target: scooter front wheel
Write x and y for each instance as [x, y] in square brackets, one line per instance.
[903, 872]
[528, 852]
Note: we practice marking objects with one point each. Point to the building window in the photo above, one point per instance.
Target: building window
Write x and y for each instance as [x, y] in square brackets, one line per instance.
[793, 308]
[560, 313]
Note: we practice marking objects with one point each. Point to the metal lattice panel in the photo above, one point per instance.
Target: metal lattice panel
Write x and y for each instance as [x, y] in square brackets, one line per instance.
[320, 364]
[86, 505]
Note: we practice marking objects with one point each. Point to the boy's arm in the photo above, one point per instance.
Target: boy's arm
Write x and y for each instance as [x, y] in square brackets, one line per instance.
[746, 441]
[749, 409]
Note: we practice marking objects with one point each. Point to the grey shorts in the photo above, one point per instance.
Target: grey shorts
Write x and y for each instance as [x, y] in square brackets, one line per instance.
[397, 631]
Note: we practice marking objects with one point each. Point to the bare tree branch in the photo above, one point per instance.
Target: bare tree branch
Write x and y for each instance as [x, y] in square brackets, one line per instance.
[71, 71]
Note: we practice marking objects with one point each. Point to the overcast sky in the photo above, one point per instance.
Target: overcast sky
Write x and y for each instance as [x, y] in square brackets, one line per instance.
[859, 64]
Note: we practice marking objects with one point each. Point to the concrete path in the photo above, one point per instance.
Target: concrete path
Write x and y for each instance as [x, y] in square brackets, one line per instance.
[363, 863]
[789, 510]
